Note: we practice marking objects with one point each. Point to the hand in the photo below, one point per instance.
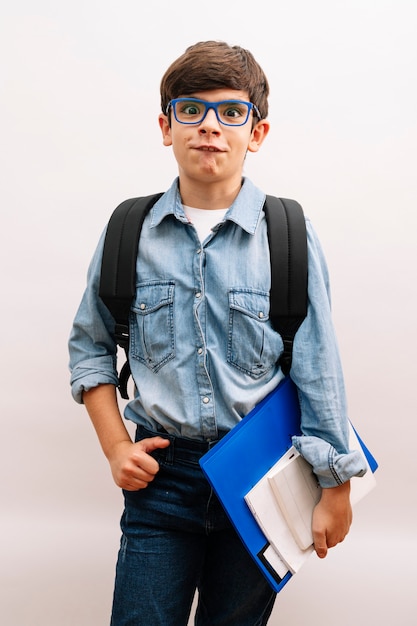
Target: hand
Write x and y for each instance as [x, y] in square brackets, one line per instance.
[132, 466]
[332, 518]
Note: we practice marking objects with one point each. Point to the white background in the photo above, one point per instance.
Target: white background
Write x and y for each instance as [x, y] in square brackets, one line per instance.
[78, 112]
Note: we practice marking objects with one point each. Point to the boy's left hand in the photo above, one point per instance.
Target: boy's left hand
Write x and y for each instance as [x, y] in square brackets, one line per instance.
[332, 518]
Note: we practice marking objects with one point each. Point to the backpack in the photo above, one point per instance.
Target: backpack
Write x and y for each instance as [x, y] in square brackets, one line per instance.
[288, 254]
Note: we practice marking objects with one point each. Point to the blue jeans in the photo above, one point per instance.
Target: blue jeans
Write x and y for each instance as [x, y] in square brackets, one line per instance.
[176, 539]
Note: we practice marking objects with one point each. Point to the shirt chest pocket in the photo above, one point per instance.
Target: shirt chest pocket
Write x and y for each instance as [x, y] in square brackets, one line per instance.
[152, 325]
[253, 345]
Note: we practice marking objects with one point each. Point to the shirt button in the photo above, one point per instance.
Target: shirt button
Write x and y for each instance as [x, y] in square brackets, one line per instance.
[261, 314]
[206, 400]
[198, 294]
[200, 351]
[143, 306]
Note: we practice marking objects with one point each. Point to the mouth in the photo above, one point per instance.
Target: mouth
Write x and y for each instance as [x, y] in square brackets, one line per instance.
[208, 149]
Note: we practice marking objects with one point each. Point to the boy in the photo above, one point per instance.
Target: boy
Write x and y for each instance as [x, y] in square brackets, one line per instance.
[203, 353]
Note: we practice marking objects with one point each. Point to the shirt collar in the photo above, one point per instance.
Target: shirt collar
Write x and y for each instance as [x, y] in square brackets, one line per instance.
[244, 211]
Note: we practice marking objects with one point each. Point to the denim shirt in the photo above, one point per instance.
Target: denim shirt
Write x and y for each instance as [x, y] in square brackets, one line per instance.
[202, 350]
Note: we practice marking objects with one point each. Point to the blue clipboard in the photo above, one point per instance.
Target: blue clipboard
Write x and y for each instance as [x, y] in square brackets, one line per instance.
[245, 454]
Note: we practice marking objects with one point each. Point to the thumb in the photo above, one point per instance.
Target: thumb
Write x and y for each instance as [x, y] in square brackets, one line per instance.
[152, 443]
[320, 544]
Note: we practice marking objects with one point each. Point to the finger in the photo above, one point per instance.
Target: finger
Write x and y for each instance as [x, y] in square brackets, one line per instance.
[135, 477]
[142, 456]
[153, 443]
[321, 551]
[135, 486]
[320, 544]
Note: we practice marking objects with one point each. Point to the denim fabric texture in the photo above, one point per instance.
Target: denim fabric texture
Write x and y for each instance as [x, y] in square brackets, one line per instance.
[176, 537]
[203, 352]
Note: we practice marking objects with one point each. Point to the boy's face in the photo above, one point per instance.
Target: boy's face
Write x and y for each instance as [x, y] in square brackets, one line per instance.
[210, 151]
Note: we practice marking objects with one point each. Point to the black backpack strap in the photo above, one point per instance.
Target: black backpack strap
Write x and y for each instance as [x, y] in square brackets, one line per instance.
[118, 269]
[288, 253]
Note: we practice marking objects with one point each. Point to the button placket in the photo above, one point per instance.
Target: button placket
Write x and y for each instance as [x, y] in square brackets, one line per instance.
[205, 387]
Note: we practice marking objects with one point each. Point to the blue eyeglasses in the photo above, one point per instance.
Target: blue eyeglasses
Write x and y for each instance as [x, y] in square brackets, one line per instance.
[228, 112]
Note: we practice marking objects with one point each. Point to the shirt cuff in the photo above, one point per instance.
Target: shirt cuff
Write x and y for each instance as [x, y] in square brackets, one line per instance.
[90, 374]
[330, 467]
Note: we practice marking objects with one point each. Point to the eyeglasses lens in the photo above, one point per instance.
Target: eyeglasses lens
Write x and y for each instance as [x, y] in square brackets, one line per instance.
[230, 113]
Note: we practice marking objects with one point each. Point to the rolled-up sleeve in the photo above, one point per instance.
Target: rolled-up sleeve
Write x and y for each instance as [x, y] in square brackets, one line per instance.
[317, 373]
[92, 348]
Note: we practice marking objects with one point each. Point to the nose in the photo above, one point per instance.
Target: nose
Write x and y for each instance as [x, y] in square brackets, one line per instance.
[210, 123]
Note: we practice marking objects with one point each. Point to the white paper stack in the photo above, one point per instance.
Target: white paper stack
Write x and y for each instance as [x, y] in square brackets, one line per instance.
[283, 501]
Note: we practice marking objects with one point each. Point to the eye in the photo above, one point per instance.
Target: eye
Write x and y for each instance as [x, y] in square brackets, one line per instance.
[190, 109]
[233, 110]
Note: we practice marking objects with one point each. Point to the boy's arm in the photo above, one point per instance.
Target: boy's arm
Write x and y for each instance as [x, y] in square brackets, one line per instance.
[131, 464]
[332, 518]
[317, 373]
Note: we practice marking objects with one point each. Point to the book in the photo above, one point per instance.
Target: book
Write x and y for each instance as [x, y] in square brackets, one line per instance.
[283, 500]
[297, 491]
[243, 457]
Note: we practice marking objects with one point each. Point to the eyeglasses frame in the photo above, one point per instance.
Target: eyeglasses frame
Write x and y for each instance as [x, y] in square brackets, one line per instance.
[212, 105]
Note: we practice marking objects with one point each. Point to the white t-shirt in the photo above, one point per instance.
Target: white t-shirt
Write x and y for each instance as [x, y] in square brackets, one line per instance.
[204, 220]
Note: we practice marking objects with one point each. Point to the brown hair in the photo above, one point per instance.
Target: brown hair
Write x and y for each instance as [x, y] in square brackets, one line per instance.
[213, 65]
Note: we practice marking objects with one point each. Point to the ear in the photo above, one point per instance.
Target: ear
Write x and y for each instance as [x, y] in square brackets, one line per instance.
[166, 129]
[258, 134]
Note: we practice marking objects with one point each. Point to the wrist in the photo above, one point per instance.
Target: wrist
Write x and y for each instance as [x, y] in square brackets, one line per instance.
[339, 492]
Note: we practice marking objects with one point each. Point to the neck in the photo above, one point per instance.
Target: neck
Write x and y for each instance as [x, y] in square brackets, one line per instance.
[209, 196]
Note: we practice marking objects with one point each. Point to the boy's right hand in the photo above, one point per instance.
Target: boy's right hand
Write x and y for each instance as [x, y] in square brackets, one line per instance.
[132, 466]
